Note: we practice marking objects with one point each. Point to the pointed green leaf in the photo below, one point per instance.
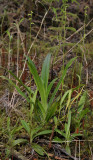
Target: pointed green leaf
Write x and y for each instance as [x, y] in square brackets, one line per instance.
[38, 149]
[33, 99]
[50, 86]
[61, 80]
[55, 91]
[43, 133]
[67, 66]
[71, 28]
[17, 88]
[34, 132]
[18, 141]
[75, 135]
[43, 111]
[19, 81]
[60, 132]
[45, 70]
[63, 97]
[51, 110]
[69, 99]
[16, 129]
[26, 126]
[38, 81]
[82, 113]
[67, 126]
[82, 102]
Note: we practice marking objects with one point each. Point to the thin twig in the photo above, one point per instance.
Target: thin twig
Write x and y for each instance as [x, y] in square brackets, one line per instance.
[79, 30]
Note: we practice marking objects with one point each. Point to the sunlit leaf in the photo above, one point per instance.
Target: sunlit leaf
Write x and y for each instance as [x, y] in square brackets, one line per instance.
[69, 98]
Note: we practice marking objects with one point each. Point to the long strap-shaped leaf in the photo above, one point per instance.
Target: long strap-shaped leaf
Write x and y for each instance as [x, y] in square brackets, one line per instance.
[17, 88]
[61, 80]
[38, 81]
[19, 81]
[45, 70]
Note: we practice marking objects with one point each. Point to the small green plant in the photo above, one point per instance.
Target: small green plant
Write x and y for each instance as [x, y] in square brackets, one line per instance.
[80, 113]
[66, 134]
[10, 133]
[45, 105]
[34, 132]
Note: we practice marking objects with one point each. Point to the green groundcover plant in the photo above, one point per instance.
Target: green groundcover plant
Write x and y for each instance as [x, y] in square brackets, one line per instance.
[42, 107]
